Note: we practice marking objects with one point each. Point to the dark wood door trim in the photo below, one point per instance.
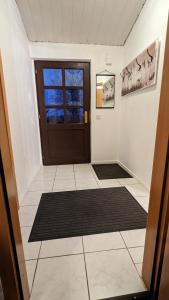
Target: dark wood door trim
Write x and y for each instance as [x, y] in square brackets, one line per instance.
[9, 276]
[11, 188]
[45, 128]
[156, 230]
[162, 277]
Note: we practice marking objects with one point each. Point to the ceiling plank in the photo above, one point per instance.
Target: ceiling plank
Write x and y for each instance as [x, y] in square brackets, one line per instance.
[102, 22]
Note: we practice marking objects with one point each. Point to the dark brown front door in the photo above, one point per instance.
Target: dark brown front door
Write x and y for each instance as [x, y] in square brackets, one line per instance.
[63, 90]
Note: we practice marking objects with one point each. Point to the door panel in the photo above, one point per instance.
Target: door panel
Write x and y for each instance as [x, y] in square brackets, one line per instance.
[67, 141]
[63, 90]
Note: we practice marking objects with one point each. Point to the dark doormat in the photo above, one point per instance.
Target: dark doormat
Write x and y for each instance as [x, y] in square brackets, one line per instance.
[85, 212]
[110, 171]
[136, 296]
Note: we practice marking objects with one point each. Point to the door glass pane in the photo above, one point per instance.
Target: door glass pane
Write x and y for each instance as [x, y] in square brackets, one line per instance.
[74, 97]
[75, 115]
[53, 97]
[52, 77]
[55, 116]
[73, 77]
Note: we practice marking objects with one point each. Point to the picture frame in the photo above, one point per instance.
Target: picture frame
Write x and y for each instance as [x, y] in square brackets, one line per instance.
[141, 73]
[105, 91]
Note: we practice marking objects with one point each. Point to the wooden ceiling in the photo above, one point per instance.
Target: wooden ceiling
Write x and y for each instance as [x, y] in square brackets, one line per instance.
[102, 22]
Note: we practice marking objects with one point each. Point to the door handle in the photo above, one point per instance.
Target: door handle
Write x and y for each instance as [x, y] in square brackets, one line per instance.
[86, 116]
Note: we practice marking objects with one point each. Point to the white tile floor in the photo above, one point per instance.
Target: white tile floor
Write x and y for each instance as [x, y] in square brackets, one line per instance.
[83, 268]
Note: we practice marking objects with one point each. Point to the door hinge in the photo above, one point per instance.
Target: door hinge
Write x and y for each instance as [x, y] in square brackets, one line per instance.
[39, 116]
[36, 71]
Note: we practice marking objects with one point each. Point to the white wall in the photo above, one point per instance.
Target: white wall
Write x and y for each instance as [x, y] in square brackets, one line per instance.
[138, 116]
[20, 98]
[104, 132]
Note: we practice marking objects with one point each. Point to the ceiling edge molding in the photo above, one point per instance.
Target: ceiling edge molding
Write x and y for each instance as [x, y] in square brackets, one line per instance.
[137, 18]
[26, 33]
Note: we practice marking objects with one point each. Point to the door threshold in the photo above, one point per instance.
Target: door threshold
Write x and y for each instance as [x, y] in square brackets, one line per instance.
[136, 296]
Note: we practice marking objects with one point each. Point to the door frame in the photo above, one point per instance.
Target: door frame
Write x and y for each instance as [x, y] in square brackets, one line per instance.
[8, 279]
[38, 63]
[11, 237]
[157, 216]
[163, 277]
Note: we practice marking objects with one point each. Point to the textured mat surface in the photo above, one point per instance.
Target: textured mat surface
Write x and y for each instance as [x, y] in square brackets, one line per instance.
[136, 296]
[85, 212]
[110, 171]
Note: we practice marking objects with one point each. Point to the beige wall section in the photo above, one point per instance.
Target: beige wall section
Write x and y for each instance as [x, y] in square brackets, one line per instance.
[21, 103]
[104, 122]
[138, 114]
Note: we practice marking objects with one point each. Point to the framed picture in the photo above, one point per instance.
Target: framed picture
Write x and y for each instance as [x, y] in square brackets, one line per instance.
[141, 73]
[105, 91]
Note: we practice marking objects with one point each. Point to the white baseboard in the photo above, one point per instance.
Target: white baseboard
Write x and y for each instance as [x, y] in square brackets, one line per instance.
[29, 183]
[97, 162]
[132, 174]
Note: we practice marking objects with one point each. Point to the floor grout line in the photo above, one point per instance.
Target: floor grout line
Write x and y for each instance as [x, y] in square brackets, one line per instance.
[135, 246]
[54, 179]
[35, 269]
[31, 259]
[131, 256]
[74, 177]
[86, 270]
[73, 254]
[29, 205]
[58, 256]
[86, 252]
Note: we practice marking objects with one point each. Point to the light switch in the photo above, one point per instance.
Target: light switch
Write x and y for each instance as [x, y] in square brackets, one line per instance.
[98, 117]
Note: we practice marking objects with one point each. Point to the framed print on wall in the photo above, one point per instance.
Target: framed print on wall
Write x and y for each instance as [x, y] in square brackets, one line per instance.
[141, 73]
[105, 91]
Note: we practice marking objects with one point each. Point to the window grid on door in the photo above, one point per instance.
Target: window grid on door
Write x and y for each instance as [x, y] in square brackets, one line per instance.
[63, 95]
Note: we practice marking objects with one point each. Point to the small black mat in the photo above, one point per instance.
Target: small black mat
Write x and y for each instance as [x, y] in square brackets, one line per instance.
[138, 296]
[110, 171]
[85, 212]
